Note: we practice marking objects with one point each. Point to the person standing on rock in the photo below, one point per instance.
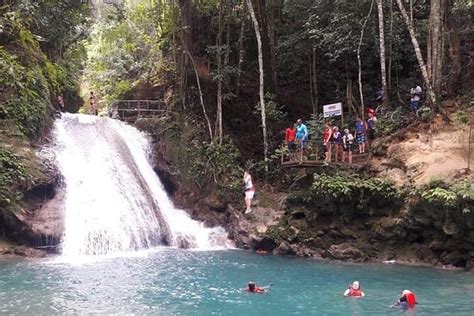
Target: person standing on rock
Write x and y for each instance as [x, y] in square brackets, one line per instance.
[93, 103]
[249, 191]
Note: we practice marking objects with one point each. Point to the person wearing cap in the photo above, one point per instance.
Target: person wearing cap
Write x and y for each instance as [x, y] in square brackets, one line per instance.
[354, 290]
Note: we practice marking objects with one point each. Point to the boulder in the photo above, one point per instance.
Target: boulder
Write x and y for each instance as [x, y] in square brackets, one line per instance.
[285, 249]
[344, 251]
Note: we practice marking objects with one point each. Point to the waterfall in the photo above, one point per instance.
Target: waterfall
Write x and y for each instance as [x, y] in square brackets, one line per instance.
[114, 200]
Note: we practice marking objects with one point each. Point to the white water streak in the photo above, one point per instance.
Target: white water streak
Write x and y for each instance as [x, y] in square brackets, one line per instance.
[115, 202]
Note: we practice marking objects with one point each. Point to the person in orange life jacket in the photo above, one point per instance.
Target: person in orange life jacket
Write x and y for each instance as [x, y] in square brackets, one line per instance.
[354, 290]
[252, 288]
[407, 300]
[249, 191]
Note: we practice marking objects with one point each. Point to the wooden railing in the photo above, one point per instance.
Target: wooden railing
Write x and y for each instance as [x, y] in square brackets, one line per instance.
[314, 156]
[131, 110]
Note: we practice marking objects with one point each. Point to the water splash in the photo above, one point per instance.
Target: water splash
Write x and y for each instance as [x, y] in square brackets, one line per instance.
[114, 201]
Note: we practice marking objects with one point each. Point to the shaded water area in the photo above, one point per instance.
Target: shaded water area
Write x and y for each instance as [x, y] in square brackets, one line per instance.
[168, 281]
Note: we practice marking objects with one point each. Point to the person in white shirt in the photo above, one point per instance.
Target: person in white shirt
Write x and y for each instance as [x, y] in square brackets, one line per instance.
[249, 191]
[415, 100]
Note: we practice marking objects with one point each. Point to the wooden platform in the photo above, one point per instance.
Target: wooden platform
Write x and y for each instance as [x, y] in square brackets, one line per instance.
[358, 161]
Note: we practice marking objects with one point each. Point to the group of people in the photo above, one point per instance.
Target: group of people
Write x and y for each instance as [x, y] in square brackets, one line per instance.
[407, 298]
[92, 100]
[342, 144]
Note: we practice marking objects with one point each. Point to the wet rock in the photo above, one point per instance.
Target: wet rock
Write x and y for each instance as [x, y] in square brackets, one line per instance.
[456, 258]
[344, 251]
[450, 228]
[285, 249]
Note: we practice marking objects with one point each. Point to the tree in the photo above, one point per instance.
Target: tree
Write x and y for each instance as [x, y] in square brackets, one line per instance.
[219, 71]
[419, 57]
[359, 62]
[383, 70]
[435, 60]
[261, 77]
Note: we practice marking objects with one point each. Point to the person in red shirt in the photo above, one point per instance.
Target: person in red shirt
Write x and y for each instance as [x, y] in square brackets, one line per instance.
[290, 137]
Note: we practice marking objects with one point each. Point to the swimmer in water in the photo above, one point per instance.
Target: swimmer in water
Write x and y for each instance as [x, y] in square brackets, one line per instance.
[251, 287]
[354, 290]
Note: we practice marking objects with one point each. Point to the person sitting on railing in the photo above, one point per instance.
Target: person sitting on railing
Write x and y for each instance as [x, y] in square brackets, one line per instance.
[327, 136]
[301, 136]
[348, 141]
[290, 137]
[337, 143]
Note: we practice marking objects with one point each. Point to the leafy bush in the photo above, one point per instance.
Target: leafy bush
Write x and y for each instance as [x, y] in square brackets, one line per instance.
[363, 193]
[12, 175]
[447, 195]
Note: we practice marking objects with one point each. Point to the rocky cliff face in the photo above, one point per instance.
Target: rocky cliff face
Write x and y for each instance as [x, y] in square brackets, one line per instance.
[38, 221]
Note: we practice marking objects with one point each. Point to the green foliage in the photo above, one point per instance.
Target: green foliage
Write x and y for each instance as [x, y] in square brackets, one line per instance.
[12, 176]
[364, 193]
[462, 117]
[448, 195]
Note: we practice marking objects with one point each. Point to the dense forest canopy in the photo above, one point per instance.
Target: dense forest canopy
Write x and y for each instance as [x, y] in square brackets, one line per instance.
[313, 52]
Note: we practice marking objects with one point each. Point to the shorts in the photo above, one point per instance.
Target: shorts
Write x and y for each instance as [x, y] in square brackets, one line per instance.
[303, 143]
[371, 134]
[291, 146]
[348, 147]
[414, 105]
[360, 138]
[249, 194]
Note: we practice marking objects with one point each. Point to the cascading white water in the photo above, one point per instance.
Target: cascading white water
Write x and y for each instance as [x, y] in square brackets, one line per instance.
[114, 200]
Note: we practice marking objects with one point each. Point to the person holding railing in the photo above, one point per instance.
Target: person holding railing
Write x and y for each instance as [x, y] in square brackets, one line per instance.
[347, 141]
[337, 143]
[327, 136]
[290, 137]
[360, 129]
[301, 137]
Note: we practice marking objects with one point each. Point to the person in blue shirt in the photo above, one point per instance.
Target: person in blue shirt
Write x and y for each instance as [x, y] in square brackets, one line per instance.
[301, 136]
[360, 128]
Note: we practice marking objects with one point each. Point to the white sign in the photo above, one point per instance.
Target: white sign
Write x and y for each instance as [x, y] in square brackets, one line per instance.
[331, 110]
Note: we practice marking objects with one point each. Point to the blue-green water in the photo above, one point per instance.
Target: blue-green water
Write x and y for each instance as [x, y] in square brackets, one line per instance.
[180, 282]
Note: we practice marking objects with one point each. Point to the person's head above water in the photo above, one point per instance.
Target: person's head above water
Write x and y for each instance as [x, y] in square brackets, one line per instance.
[356, 285]
[251, 286]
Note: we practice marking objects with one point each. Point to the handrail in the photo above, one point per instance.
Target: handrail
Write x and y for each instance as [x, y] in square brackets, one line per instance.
[315, 153]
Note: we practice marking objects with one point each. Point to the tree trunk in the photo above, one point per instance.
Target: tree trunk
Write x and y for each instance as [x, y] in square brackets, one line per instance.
[261, 77]
[315, 83]
[219, 72]
[454, 51]
[434, 62]
[185, 7]
[383, 70]
[419, 57]
[363, 23]
[201, 99]
[390, 48]
[241, 55]
[261, 16]
[272, 41]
